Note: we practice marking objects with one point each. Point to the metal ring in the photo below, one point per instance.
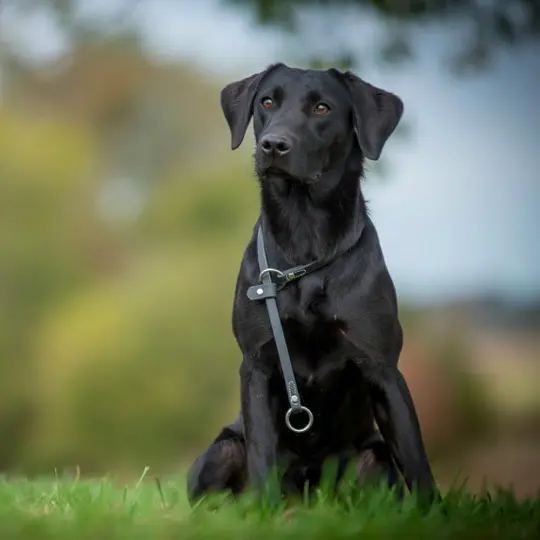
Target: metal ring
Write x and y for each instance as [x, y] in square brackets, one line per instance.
[279, 273]
[302, 429]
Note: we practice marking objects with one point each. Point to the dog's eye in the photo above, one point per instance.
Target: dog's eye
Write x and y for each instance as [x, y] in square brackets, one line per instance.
[267, 102]
[321, 108]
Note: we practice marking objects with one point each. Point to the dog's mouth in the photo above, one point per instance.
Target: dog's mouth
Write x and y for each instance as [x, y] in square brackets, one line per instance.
[278, 171]
[273, 171]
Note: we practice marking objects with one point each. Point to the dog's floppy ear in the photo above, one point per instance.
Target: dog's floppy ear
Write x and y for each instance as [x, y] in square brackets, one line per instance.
[376, 113]
[237, 104]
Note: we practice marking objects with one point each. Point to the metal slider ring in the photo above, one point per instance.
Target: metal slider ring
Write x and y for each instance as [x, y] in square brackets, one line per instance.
[279, 273]
[302, 429]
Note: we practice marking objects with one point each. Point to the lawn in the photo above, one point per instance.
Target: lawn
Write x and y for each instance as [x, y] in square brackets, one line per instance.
[157, 509]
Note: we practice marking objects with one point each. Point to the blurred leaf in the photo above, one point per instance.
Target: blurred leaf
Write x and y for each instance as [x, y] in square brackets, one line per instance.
[46, 176]
[141, 370]
[272, 12]
[396, 49]
[342, 61]
[282, 14]
[202, 204]
[471, 59]
[494, 27]
[504, 27]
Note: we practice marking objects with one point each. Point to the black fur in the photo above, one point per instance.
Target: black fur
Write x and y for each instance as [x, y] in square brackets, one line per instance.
[341, 322]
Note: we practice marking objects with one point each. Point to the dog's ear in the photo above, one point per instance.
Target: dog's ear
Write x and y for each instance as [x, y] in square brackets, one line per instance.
[376, 113]
[237, 104]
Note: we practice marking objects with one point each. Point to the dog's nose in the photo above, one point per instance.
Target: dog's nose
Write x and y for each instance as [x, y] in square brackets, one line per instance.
[275, 144]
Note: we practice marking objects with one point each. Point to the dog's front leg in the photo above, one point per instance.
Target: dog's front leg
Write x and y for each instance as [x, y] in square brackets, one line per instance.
[396, 417]
[260, 431]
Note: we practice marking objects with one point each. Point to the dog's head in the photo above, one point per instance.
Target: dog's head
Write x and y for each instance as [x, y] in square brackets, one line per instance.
[306, 122]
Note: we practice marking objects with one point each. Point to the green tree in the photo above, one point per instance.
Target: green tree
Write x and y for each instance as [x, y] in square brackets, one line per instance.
[490, 25]
[47, 241]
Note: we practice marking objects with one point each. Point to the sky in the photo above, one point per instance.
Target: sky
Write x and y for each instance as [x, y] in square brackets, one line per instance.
[458, 214]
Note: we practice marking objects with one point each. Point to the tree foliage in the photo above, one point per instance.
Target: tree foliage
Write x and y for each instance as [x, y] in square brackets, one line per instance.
[488, 25]
[491, 24]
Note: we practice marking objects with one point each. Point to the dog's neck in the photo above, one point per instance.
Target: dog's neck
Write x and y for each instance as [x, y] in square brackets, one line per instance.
[307, 222]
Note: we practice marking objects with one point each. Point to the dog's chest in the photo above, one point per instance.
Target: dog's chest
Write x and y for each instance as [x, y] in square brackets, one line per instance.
[312, 328]
[307, 302]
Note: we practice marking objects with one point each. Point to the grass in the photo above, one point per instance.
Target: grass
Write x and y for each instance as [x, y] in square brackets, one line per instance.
[57, 508]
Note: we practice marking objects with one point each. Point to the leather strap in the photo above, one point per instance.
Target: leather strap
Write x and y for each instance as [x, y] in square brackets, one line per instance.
[268, 290]
[269, 294]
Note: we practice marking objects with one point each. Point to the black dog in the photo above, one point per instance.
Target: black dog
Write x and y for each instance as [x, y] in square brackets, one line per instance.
[313, 130]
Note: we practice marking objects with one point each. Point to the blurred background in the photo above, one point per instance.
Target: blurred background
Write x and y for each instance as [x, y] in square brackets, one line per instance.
[124, 216]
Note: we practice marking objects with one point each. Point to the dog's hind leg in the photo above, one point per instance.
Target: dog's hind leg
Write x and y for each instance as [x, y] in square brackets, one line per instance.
[221, 468]
[372, 464]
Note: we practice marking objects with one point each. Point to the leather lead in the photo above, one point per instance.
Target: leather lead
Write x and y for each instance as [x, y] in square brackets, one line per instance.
[267, 290]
